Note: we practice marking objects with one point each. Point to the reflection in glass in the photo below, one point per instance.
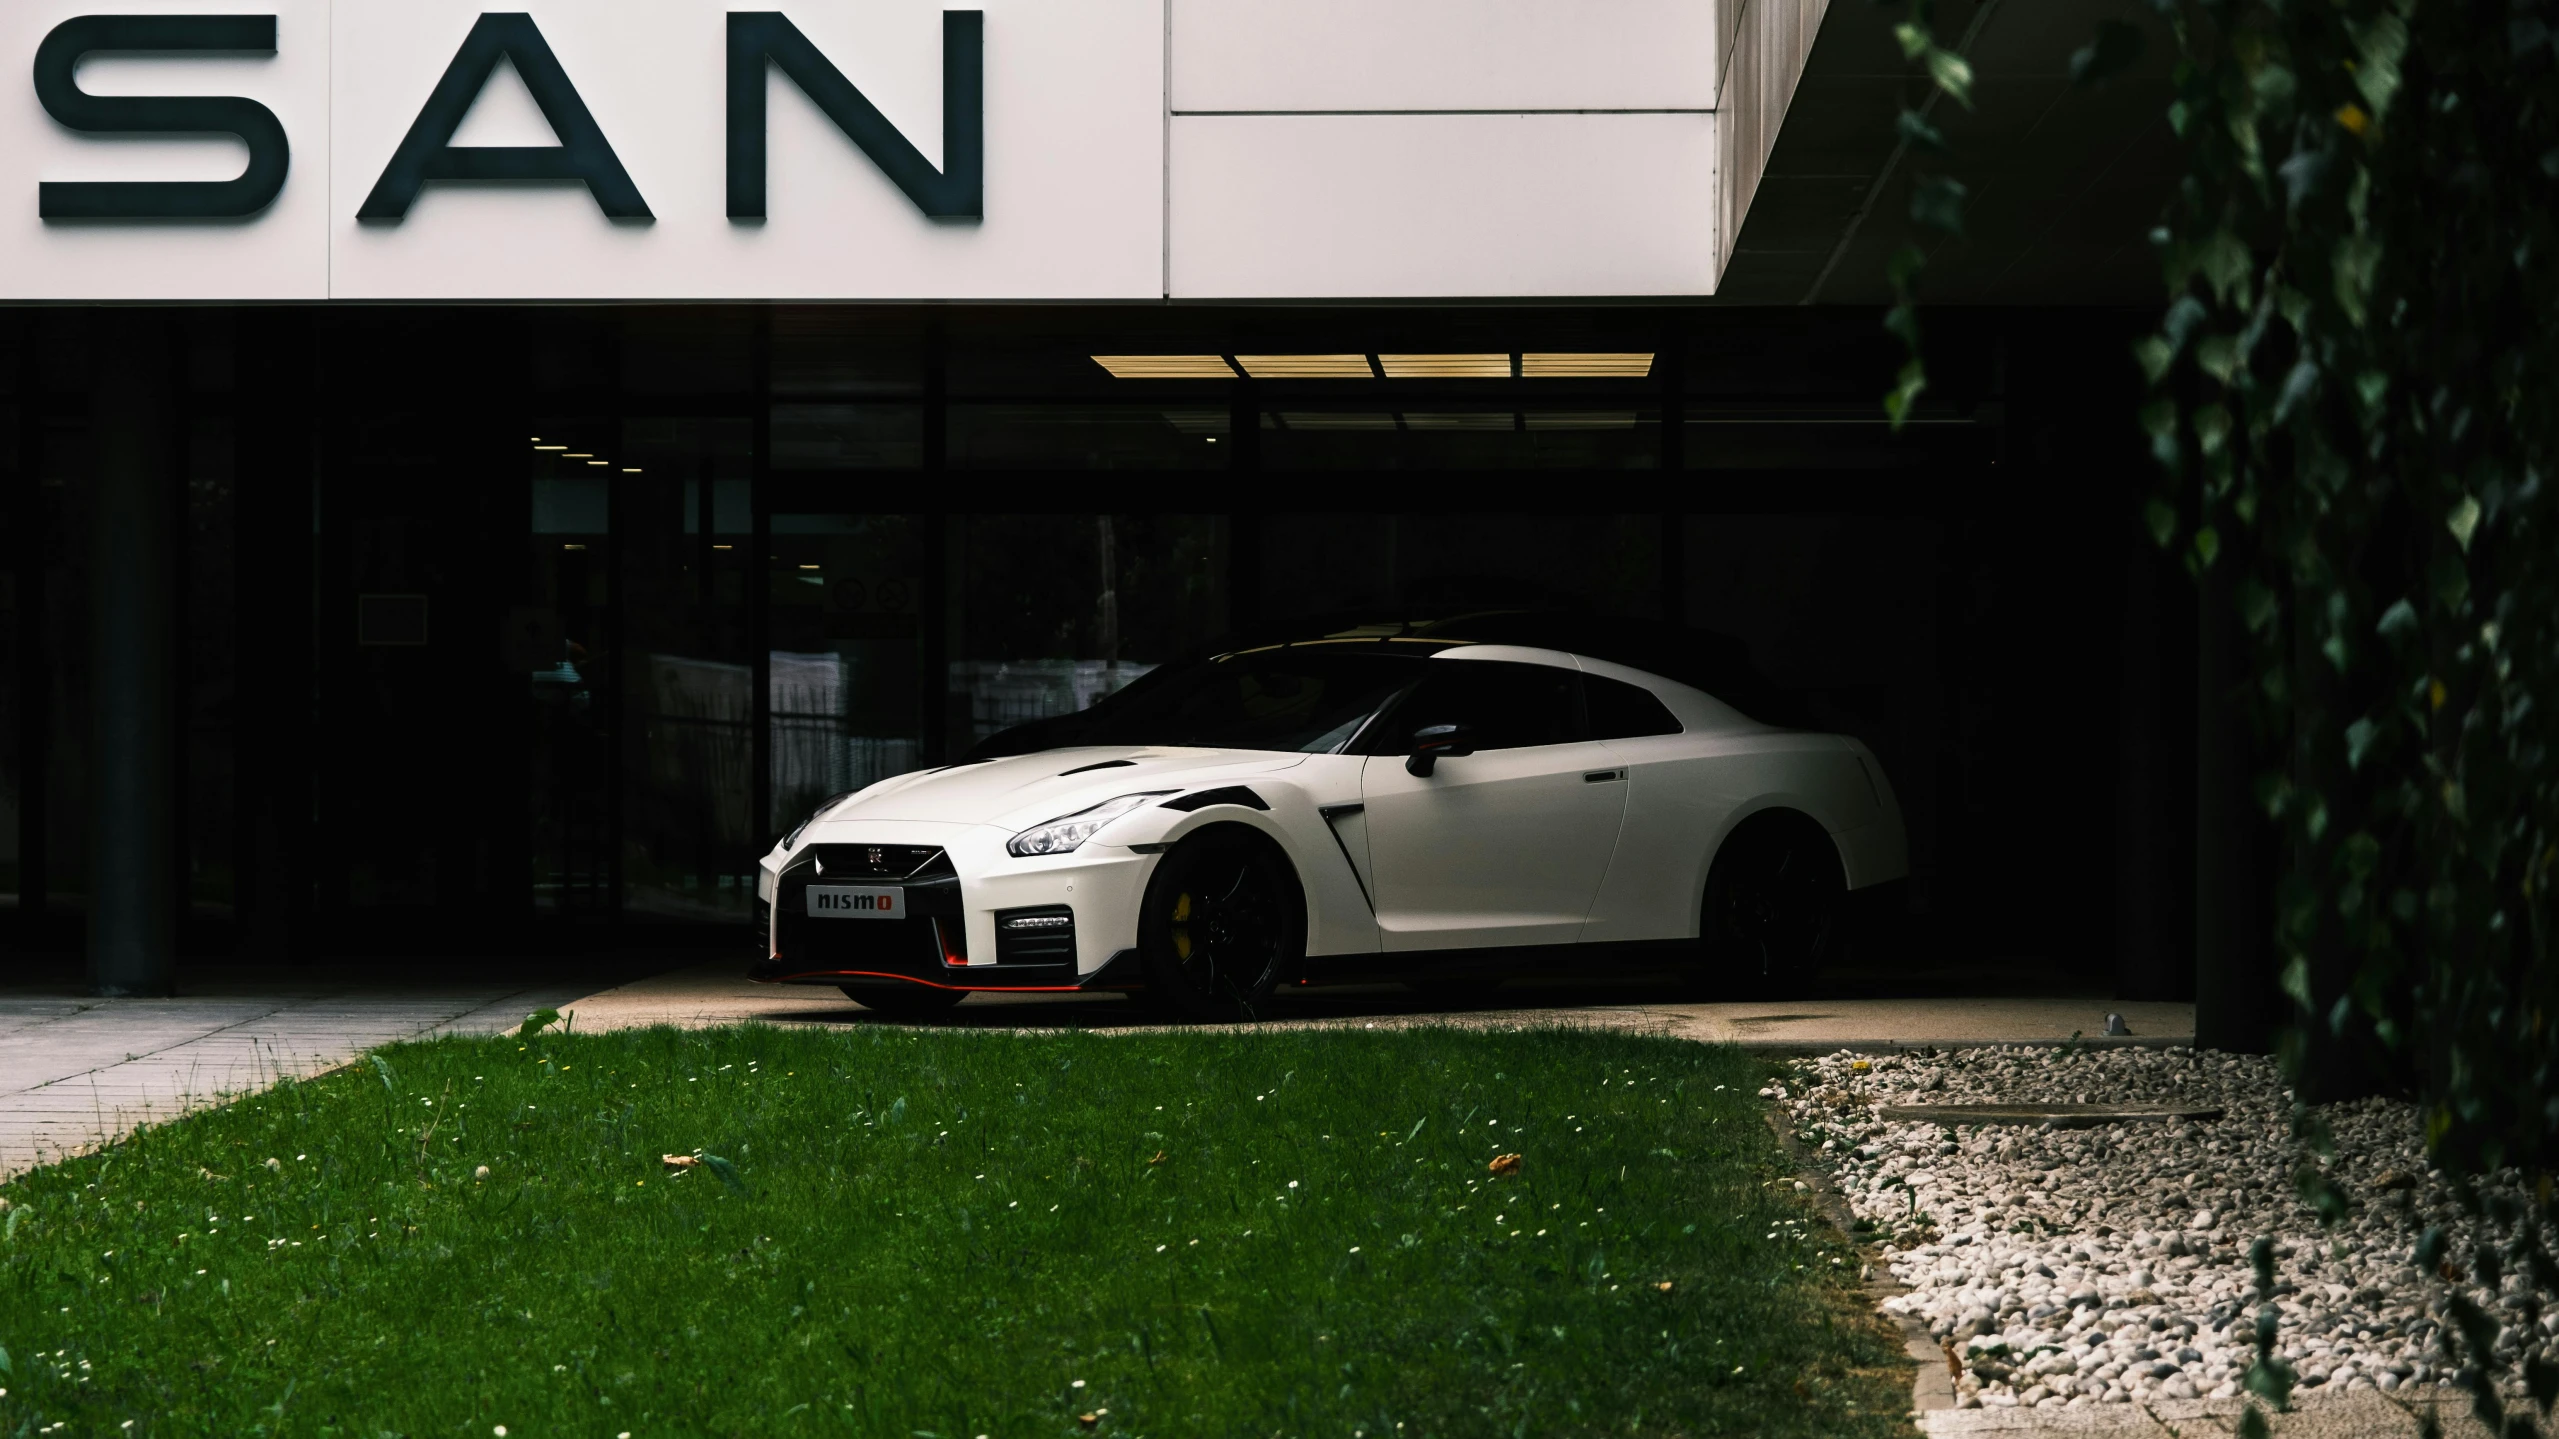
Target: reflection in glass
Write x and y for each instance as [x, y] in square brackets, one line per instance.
[848, 437]
[1444, 436]
[845, 599]
[1088, 437]
[1059, 611]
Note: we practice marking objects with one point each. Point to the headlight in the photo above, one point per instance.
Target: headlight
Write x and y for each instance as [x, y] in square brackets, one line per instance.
[830, 802]
[1066, 832]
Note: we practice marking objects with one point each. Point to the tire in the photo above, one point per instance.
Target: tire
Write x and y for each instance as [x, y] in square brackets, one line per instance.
[904, 1001]
[1222, 921]
[1772, 916]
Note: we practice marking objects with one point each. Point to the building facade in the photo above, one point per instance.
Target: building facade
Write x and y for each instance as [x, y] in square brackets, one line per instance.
[472, 478]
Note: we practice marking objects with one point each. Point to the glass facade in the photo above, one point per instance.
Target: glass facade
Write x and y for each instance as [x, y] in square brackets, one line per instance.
[512, 627]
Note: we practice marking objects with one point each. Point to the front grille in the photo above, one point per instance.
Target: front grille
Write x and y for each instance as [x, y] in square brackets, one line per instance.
[1045, 935]
[877, 861]
[911, 946]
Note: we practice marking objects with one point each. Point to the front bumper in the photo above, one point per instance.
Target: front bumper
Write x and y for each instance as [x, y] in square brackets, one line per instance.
[974, 917]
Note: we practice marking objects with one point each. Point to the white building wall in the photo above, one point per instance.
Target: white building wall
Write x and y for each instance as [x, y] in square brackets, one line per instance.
[1137, 150]
[1440, 148]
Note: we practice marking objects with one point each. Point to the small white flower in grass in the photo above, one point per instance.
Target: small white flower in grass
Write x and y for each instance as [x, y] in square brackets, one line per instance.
[1292, 1184]
[499, 1430]
[480, 1173]
[1078, 1384]
[1160, 1248]
[1355, 1249]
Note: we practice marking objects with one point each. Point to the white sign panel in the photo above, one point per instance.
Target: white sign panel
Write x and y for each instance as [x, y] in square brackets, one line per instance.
[692, 150]
[593, 150]
[281, 252]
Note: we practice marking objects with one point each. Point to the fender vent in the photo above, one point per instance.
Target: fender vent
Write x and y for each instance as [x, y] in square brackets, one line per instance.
[1231, 794]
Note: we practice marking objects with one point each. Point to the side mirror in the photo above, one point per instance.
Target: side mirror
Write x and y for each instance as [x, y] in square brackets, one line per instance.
[1432, 743]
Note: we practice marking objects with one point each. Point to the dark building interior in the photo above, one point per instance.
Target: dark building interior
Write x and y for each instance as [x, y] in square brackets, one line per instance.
[523, 631]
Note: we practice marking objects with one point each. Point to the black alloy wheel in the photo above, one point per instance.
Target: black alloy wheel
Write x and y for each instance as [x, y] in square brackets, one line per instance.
[904, 1001]
[1223, 920]
[1773, 906]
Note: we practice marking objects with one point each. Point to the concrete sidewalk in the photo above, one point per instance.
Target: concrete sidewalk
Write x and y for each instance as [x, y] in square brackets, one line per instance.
[78, 1072]
[720, 994]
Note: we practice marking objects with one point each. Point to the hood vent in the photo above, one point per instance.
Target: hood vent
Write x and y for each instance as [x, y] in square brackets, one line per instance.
[1103, 764]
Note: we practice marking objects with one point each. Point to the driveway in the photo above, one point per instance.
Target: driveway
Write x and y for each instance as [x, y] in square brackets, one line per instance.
[720, 994]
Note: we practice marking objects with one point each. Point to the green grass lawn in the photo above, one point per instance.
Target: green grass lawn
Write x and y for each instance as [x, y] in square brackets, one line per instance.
[952, 1234]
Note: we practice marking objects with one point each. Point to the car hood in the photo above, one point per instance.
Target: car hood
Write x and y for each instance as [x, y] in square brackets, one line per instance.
[1019, 791]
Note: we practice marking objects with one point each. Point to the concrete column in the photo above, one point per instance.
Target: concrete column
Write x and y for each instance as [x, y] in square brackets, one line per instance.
[133, 884]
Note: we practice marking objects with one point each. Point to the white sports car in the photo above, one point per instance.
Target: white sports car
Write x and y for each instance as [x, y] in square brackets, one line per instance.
[1444, 801]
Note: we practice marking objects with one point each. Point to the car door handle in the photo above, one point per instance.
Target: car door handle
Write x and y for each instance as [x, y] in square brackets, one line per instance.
[1603, 776]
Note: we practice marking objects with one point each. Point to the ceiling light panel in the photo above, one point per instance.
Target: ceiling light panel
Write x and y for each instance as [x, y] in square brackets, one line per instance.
[1446, 367]
[1166, 367]
[1306, 367]
[1471, 420]
[1585, 366]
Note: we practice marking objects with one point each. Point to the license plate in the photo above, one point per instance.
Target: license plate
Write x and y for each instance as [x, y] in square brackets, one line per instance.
[844, 901]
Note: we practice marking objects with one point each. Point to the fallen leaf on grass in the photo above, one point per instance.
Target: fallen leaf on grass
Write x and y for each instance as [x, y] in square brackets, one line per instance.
[1504, 1164]
[680, 1161]
[1158, 1159]
[1088, 1420]
[726, 1171]
[1664, 1286]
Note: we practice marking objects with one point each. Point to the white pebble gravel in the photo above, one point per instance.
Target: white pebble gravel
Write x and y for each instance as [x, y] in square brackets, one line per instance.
[2069, 1267]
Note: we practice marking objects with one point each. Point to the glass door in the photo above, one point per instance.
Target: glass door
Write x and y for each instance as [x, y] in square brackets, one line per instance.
[845, 600]
[640, 663]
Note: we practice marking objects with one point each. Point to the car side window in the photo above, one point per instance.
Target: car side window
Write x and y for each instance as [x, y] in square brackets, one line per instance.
[1622, 711]
[1508, 706]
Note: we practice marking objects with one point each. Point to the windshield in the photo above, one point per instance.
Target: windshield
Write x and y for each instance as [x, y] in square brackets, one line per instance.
[1297, 701]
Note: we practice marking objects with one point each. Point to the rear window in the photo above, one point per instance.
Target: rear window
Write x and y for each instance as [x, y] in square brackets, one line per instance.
[1619, 710]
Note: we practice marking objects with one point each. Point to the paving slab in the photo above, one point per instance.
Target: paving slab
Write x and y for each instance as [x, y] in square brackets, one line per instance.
[78, 1072]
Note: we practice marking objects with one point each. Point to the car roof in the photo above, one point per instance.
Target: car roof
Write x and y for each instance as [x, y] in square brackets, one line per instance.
[1718, 664]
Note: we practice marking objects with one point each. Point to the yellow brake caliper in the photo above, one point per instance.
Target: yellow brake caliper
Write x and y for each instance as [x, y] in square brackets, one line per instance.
[1182, 925]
